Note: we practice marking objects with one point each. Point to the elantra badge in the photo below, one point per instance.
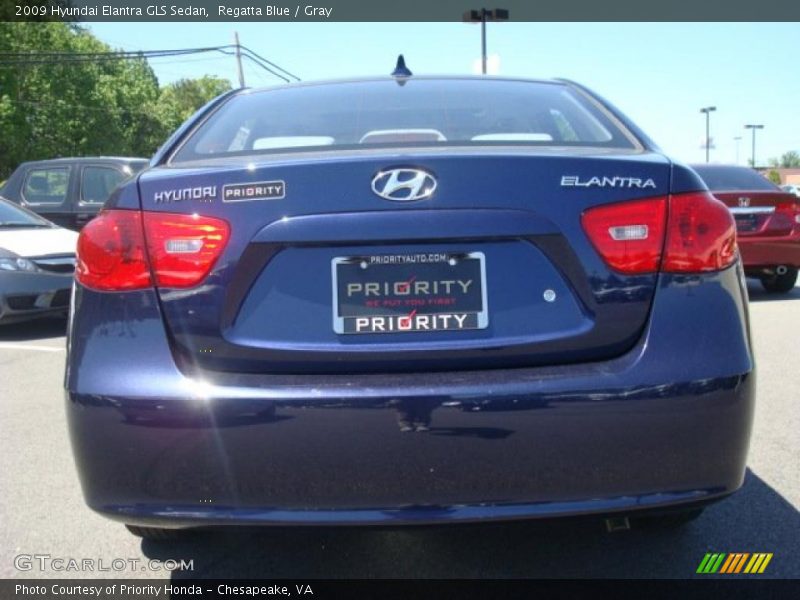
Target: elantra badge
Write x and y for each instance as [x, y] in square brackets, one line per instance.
[404, 185]
[605, 181]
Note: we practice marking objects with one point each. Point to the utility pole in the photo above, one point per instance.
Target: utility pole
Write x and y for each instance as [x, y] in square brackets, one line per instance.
[753, 128]
[238, 58]
[708, 110]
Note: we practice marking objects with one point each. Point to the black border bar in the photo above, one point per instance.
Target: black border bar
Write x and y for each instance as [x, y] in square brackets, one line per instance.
[195, 589]
[397, 10]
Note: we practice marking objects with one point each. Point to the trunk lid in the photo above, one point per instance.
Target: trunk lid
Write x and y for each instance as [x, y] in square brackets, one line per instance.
[507, 222]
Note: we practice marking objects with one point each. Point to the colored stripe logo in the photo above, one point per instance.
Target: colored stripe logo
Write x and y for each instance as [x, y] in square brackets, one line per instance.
[733, 563]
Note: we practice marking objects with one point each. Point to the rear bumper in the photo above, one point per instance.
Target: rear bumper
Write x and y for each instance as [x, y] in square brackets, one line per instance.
[29, 295]
[666, 424]
[770, 252]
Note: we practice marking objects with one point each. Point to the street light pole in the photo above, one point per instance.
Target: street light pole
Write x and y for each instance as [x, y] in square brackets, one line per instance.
[753, 128]
[482, 16]
[483, 41]
[708, 110]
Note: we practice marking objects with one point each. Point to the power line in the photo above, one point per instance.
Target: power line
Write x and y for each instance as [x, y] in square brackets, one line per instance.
[113, 53]
[8, 59]
[272, 64]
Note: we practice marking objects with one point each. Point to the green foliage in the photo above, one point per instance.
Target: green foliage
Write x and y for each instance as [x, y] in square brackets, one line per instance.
[789, 160]
[179, 100]
[103, 107]
[774, 177]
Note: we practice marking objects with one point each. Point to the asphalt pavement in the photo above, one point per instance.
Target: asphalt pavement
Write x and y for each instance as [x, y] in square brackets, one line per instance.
[42, 513]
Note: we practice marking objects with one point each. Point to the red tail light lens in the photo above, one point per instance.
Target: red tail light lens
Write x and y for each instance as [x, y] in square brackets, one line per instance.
[628, 235]
[786, 216]
[183, 248]
[111, 252]
[701, 235]
[180, 250]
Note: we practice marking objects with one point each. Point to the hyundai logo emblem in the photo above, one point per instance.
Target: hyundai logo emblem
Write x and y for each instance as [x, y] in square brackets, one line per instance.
[404, 185]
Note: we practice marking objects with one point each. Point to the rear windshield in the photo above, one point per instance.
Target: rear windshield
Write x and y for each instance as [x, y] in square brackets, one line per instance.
[411, 113]
[722, 179]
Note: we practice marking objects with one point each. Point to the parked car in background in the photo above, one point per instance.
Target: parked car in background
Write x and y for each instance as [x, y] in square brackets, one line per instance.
[408, 300]
[37, 262]
[69, 191]
[792, 188]
[767, 223]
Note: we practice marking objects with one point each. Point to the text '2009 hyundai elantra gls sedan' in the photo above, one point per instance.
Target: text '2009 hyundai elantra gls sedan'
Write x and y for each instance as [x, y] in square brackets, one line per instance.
[408, 300]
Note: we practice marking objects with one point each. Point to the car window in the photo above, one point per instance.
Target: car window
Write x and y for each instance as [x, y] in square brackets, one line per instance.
[11, 214]
[427, 112]
[720, 178]
[97, 183]
[46, 186]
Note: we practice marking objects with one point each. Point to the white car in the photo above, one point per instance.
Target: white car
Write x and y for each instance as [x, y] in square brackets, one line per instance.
[37, 262]
[792, 188]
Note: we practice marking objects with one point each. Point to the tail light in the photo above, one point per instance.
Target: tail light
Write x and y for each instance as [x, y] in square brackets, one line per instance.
[628, 235]
[784, 219]
[683, 233]
[127, 250]
[701, 235]
[111, 252]
[183, 248]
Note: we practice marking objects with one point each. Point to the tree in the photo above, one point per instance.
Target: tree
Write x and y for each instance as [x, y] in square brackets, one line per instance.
[789, 160]
[180, 100]
[69, 108]
[774, 177]
[64, 108]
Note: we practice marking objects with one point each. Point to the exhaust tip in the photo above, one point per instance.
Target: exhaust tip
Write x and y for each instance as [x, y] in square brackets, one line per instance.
[614, 524]
[781, 269]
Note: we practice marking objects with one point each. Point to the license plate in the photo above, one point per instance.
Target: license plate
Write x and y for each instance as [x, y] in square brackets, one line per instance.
[746, 223]
[402, 293]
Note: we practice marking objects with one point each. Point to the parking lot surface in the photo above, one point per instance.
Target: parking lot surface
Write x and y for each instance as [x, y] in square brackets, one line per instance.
[42, 511]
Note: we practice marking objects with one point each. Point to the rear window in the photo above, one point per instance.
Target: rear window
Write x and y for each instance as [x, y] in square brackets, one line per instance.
[417, 113]
[733, 178]
[97, 183]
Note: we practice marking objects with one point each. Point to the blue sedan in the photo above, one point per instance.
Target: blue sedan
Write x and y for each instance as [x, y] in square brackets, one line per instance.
[408, 300]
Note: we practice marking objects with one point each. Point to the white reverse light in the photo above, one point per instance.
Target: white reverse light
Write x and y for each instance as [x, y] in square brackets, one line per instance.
[183, 246]
[625, 233]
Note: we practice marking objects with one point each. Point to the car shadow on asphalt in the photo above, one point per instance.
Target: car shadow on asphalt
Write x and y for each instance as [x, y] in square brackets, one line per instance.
[757, 293]
[755, 519]
[38, 329]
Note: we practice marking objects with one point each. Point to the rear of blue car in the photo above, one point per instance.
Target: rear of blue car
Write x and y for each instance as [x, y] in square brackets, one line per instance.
[408, 301]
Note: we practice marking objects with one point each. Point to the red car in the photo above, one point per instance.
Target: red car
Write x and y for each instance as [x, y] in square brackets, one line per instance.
[767, 223]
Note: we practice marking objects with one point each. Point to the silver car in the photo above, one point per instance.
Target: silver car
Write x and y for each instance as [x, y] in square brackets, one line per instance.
[37, 262]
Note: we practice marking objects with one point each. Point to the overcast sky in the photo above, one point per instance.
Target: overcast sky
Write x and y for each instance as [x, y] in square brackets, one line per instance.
[659, 74]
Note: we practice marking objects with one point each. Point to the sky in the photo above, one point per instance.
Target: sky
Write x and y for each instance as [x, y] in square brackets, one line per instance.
[658, 74]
